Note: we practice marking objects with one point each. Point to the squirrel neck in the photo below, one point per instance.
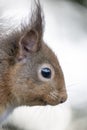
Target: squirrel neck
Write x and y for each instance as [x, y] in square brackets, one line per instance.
[4, 113]
[5, 107]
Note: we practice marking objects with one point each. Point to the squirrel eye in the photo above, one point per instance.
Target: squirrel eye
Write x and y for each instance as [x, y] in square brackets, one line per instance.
[46, 73]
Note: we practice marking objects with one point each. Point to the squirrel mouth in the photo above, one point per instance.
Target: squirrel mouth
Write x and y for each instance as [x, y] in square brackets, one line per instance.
[38, 102]
[43, 102]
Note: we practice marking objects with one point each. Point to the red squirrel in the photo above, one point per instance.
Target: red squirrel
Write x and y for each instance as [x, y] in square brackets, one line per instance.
[30, 73]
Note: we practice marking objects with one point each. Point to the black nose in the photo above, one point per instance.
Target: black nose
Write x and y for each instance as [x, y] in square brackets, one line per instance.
[63, 99]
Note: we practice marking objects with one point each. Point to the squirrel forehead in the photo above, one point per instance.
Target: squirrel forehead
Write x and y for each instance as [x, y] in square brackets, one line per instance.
[49, 54]
[45, 55]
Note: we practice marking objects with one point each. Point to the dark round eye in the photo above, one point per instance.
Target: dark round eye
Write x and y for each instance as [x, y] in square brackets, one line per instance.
[46, 73]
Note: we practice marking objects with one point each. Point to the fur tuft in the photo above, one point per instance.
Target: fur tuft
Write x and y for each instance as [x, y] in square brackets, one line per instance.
[36, 21]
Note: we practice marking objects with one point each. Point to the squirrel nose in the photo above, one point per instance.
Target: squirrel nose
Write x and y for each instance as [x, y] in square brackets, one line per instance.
[63, 99]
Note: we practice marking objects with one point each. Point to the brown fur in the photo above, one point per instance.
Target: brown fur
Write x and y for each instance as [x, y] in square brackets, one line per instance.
[20, 55]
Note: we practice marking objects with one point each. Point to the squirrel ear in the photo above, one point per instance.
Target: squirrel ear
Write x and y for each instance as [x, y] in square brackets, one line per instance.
[29, 43]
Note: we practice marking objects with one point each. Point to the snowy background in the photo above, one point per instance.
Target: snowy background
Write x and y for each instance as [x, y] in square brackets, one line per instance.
[66, 34]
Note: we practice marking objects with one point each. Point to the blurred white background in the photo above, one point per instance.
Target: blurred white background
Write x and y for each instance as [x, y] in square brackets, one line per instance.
[65, 33]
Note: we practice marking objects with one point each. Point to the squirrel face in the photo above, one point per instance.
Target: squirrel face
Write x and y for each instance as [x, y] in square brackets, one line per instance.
[30, 73]
[38, 79]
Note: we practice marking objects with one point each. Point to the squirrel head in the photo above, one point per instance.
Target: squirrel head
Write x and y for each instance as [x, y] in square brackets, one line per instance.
[34, 76]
